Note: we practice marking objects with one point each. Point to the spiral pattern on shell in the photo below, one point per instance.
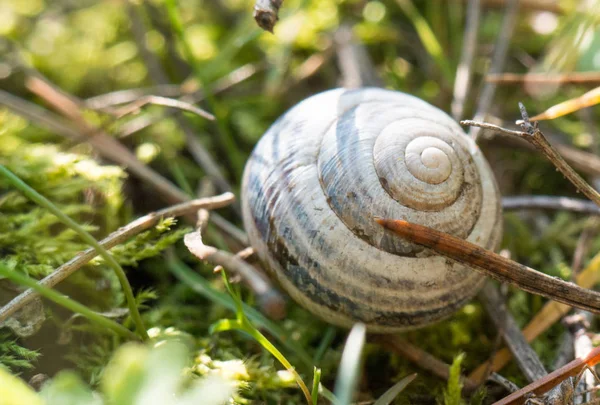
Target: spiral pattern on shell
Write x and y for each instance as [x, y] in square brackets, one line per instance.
[332, 163]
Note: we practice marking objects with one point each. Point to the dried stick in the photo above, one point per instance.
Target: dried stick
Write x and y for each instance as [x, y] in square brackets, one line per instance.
[495, 266]
[580, 160]
[526, 357]
[550, 203]
[544, 78]
[165, 102]
[462, 82]
[489, 89]
[266, 13]
[533, 135]
[543, 385]
[115, 238]
[420, 357]
[544, 319]
[107, 100]
[270, 300]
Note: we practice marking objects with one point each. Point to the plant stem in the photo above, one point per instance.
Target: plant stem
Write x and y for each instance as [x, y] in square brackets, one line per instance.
[66, 302]
[87, 237]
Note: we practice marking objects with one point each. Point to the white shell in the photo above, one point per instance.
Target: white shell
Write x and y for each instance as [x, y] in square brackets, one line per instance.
[332, 163]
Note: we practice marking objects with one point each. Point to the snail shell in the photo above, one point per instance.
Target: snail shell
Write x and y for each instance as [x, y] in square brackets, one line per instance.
[327, 167]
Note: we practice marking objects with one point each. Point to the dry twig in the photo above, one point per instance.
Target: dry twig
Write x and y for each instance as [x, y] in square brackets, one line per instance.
[135, 106]
[550, 203]
[544, 319]
[495, 266]
[545, 384]
[270, 300]
[533, 135]
[115, 238]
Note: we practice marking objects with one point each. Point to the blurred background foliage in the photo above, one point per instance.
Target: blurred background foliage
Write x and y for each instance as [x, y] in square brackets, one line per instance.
[246, 77]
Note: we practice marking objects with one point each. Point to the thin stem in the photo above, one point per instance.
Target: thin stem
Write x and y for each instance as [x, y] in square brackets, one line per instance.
[83, 234]
[201, 286]
[66, 302]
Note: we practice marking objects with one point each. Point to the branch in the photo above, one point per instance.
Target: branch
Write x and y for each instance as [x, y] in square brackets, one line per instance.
[534, 136]
[270, 300]
[550, 203]
[495, 266]
[115, 238]
[542, 321]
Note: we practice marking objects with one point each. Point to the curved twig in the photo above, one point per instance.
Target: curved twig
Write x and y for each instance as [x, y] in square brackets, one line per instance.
[115, 238]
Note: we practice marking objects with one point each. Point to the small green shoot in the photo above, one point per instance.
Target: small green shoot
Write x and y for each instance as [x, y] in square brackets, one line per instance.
[315, 387]
[453, 392]
[200, 285]
[241, 323]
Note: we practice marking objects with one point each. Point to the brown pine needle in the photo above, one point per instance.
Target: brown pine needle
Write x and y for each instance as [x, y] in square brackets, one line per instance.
[589, 99]
[495, 266]
[556, 377]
